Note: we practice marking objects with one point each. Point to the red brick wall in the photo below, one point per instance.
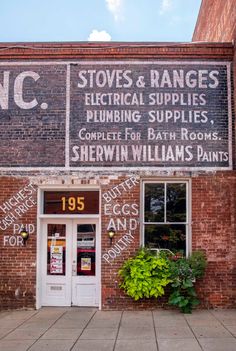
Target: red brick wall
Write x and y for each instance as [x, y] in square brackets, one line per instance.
[216, 21]
[214, 231]
[17, 263]
[112, 296]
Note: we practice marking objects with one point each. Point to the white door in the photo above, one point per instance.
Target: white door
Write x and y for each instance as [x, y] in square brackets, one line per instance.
[70, 253]
[85, 270]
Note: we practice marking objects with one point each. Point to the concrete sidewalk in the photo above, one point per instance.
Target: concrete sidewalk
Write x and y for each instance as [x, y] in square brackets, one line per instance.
[87, 329]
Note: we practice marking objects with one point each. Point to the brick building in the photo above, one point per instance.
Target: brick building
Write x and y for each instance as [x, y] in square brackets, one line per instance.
[138, 137]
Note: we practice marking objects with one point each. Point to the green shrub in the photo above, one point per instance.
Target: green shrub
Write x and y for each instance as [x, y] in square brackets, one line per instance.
[184, 273]
[198, 263]
[145, 275]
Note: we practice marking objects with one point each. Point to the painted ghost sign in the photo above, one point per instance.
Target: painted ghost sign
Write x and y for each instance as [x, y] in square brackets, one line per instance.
[11, 212]
[119, 114]
[32, 115]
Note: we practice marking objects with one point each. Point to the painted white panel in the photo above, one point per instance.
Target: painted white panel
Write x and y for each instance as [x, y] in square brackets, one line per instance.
[86, 295]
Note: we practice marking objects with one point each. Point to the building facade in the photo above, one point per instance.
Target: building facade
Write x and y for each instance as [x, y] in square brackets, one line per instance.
[134, 138]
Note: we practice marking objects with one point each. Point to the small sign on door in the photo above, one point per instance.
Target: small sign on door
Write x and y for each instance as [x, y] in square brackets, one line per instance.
[56, 260]
[86, 264]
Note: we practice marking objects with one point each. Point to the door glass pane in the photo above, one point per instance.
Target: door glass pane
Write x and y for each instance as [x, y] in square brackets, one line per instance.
[154, 203]
[86, 249]
[166, 236]
[56, 249]
[176, 202]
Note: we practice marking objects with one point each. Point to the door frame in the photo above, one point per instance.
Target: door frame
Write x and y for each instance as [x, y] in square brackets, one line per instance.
[41, 217]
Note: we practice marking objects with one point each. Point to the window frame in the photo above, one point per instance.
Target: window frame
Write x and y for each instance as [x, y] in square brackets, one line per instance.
[187, 223]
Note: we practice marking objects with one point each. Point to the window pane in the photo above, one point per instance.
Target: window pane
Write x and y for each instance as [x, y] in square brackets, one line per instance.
[176, 202]
[166, 236]
[56, 249]
[154, 203]
[86, 249]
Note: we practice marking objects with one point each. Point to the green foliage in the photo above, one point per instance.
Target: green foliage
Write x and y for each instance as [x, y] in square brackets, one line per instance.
[184, 273]
[198, 263]
[145, 275]
[186, 301]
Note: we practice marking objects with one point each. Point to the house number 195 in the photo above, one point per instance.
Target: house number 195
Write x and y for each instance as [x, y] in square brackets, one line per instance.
[72, 203]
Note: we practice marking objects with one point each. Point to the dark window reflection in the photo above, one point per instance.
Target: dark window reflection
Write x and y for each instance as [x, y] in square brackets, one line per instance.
[154, 202]
[166, 236]
[86, 252]
[176, 202]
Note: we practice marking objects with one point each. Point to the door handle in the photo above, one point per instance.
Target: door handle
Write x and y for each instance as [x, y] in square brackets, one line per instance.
[74, 270]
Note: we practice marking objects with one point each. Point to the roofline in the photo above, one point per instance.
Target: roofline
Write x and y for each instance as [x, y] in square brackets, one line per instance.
[114, 50]
[110, 43]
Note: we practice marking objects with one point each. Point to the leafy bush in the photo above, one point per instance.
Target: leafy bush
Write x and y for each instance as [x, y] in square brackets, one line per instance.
[184, 273]
[145, 275]
[197, 262]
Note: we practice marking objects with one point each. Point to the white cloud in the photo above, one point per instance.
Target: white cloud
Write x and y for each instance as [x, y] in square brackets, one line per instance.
[96, 35]
[166, 5]
[115, 7]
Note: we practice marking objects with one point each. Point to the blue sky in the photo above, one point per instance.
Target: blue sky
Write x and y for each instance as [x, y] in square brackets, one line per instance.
[82, 20]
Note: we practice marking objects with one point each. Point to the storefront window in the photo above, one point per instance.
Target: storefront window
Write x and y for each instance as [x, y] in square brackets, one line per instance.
[165, 216]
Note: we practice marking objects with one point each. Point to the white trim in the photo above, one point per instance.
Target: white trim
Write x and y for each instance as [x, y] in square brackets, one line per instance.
[111, 62]
[189, 218]
[165, 191]
[99, 263]
[166, 222]
[69, 187]
[69, 216]
[38, 251]
[141, 214]
[33, 63]
[65, 187]
[100, 238]
[108, 169]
